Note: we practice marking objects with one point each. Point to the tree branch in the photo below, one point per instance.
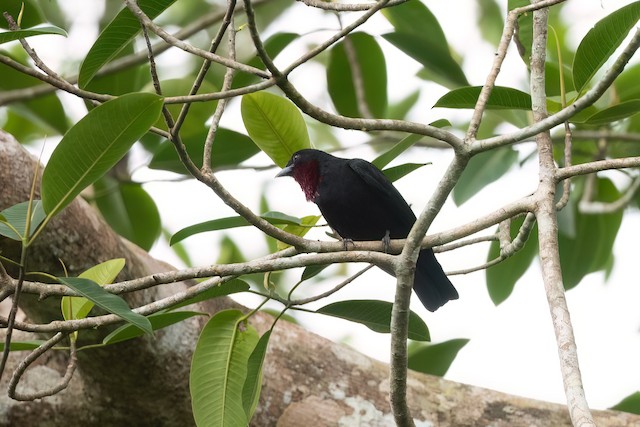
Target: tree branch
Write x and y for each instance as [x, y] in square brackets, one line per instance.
[546, 215]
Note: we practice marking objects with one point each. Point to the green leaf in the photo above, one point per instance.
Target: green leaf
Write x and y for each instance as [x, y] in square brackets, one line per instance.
[590, 248]
[615, 113]
[435, 359]
[253, 382]
[219, 370]
[601, 41]
[397, 172]
[230, 148]
[276, 218]
[388, 156]
[502, 278]
[22, 345]
[306, 223]
[13, 220]
[482, 170]
[375, 315]
[501, 98]
[8, 36]
[94, 145]
[158, 321]
[109, 302]
[372, 71]
[629, 404]
[115, 37]
[231, 287]
[103, 274]
[129, 210]
[275, 124]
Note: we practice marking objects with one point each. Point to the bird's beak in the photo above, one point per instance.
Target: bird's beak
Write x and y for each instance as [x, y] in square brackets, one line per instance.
[287, 171]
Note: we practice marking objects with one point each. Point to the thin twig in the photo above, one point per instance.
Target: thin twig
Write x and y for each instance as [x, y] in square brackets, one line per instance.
[226, 85]
[64, 382]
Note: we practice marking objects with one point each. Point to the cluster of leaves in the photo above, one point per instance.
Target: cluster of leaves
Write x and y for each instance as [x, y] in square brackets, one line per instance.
[229, 348]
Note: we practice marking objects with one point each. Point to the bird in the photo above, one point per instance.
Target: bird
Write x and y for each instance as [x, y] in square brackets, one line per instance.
[360, 204]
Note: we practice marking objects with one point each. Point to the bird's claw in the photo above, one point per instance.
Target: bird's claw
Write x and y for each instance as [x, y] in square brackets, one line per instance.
[346, 243]
[386, 242]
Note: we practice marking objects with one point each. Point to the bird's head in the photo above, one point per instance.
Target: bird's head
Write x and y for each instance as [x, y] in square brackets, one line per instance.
[304, 167]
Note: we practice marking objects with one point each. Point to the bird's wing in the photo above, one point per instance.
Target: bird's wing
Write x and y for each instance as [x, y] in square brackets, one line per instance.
[388, 194]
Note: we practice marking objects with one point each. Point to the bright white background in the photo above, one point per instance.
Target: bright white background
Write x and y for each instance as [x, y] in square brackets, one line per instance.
[512, 346]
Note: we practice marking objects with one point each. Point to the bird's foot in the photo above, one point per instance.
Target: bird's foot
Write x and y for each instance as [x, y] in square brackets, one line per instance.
[346, 243]
[386, 242]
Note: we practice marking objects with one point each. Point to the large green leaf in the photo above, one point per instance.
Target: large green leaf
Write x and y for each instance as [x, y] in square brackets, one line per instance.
[601, 41]
[103, 274]
[590, 248]
[372, 69]
[435, 359]
[109, 302]
[129, 210]
[158, 321]
[375, 315]
[629, 404]
[219, 370]
[116, 36]
[22, 345]
[94, 145]
[230, 148]
[253, 383]
[419, 35]
[275, 124]
[482, 170]
[276, 218]
[502, 278]
[13, 220]
[501, 98]
[617, 112]
[8, 36]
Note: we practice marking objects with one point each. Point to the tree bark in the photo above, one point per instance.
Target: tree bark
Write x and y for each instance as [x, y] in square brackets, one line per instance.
[308, 380]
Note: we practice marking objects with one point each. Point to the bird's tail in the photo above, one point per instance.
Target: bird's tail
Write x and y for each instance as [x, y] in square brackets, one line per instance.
[431, 284]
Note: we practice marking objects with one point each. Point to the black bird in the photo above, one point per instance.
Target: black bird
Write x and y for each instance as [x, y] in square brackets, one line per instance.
[360, 203]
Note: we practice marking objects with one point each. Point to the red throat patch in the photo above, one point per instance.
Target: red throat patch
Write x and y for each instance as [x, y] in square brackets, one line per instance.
[307, 174]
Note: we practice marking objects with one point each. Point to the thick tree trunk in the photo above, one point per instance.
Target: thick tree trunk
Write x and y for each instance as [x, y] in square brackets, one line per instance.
[307, 380]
